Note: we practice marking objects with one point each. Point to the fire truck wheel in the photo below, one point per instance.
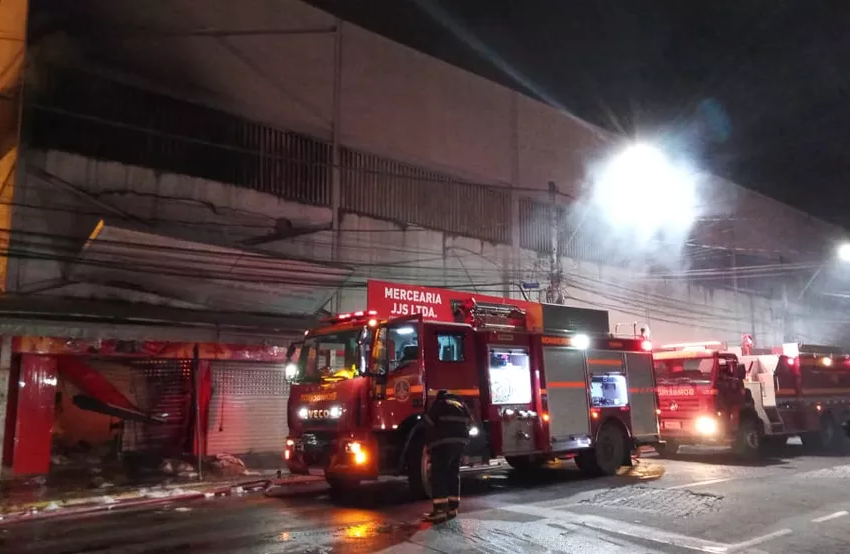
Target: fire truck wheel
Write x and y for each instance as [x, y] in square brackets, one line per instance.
[419, 469]
[608, 454]
[748, 443]
[610, 449]
[667, 449]
[525, 463]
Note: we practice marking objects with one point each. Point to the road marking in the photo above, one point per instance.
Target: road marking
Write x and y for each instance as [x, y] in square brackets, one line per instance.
[836, 515]
[617, 527]
[759, 540]
[699, 484]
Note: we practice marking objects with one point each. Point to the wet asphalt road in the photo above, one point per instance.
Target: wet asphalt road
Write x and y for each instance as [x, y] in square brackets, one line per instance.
[702, 501]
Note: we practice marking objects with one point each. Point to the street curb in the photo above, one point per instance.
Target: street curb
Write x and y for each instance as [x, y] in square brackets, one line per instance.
[32, 515]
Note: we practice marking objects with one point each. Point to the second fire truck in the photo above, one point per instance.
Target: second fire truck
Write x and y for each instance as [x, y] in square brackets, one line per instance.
[539, 384]
[712, 395]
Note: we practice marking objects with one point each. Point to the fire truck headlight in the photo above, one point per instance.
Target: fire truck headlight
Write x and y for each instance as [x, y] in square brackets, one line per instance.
[303, 413]
[473, 431]
[706, 425]
[580, 341]
[335, 412]
[290, 371]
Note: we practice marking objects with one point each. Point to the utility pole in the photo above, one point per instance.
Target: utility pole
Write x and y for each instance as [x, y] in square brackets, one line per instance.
[554, 294]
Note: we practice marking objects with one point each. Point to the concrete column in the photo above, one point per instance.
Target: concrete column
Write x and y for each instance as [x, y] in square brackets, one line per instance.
[13, 30]
[5, 383]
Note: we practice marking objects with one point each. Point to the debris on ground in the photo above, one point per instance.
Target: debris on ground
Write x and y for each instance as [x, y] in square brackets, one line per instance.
[227, 465]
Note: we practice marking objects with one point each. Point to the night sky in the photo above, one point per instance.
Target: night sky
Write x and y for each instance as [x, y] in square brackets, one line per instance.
[758, 90]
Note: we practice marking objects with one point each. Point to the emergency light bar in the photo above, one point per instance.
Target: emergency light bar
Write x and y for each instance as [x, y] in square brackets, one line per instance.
[683, 354]
[704, 345]
[352, 316]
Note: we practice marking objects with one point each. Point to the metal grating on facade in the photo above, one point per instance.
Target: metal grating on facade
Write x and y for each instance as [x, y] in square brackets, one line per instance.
[106, 120]
[388, 189]
[535, 222]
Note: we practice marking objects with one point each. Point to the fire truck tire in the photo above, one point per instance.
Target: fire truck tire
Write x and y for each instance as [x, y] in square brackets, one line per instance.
[667, 449]
[525, 463]
[606, 458]
[419, 469]
[748, 443]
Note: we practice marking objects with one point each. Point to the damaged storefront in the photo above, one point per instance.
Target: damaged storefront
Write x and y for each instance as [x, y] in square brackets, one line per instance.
[115, 412]
[153, 353]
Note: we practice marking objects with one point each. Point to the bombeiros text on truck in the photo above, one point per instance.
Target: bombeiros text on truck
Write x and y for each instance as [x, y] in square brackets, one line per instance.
[751, 399]
[542, 382]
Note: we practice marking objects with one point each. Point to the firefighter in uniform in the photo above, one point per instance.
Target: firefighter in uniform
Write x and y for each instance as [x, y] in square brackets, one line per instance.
[447, 433]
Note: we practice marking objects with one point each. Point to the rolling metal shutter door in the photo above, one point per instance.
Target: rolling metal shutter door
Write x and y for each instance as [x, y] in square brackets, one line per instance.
[169, 396]
[248, 408]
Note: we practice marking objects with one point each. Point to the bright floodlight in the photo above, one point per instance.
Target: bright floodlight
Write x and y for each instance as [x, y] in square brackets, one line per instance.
[642, 189]
[844, 252]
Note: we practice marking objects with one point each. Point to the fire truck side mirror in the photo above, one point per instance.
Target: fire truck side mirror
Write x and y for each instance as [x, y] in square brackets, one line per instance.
[741, 372]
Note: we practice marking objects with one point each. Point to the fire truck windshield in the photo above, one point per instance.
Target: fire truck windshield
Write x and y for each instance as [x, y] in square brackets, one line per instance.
[687, 370]
[331, 357]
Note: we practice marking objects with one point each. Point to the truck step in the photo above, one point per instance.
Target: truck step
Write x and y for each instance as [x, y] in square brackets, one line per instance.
[777, 428]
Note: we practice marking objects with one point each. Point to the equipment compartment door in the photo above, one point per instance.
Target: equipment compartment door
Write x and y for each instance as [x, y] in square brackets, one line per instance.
[642, 402]
[566, 383]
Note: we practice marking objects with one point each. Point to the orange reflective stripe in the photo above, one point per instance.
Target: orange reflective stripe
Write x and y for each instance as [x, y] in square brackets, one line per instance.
[618, 363]
[568, 385]
[642, 390]
[457, 392]
[416, 388]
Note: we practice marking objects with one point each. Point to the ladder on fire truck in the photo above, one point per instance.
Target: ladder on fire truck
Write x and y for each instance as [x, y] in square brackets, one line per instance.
[492, 315]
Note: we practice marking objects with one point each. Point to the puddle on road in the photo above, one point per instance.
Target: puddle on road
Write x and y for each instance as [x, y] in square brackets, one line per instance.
[643, 470]
[363, 537]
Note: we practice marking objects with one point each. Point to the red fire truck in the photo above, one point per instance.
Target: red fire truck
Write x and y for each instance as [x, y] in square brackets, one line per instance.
[539, 382]
[713, 395]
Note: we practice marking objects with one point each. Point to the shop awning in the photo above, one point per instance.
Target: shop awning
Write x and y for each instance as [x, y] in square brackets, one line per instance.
[98, 394]
[207, 276]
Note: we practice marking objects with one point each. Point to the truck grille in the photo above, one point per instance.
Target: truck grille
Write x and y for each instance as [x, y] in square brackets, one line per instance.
[674, 405]
[316, 448]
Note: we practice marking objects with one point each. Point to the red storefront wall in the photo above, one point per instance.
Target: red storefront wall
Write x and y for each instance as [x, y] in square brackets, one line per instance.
[31, 410]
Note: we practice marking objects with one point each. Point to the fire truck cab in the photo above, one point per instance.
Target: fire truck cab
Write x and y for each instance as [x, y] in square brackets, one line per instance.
[362, 383]
[713, 395]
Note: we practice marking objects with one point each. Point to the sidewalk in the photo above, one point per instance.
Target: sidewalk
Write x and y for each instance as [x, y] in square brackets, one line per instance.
[53, 503]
